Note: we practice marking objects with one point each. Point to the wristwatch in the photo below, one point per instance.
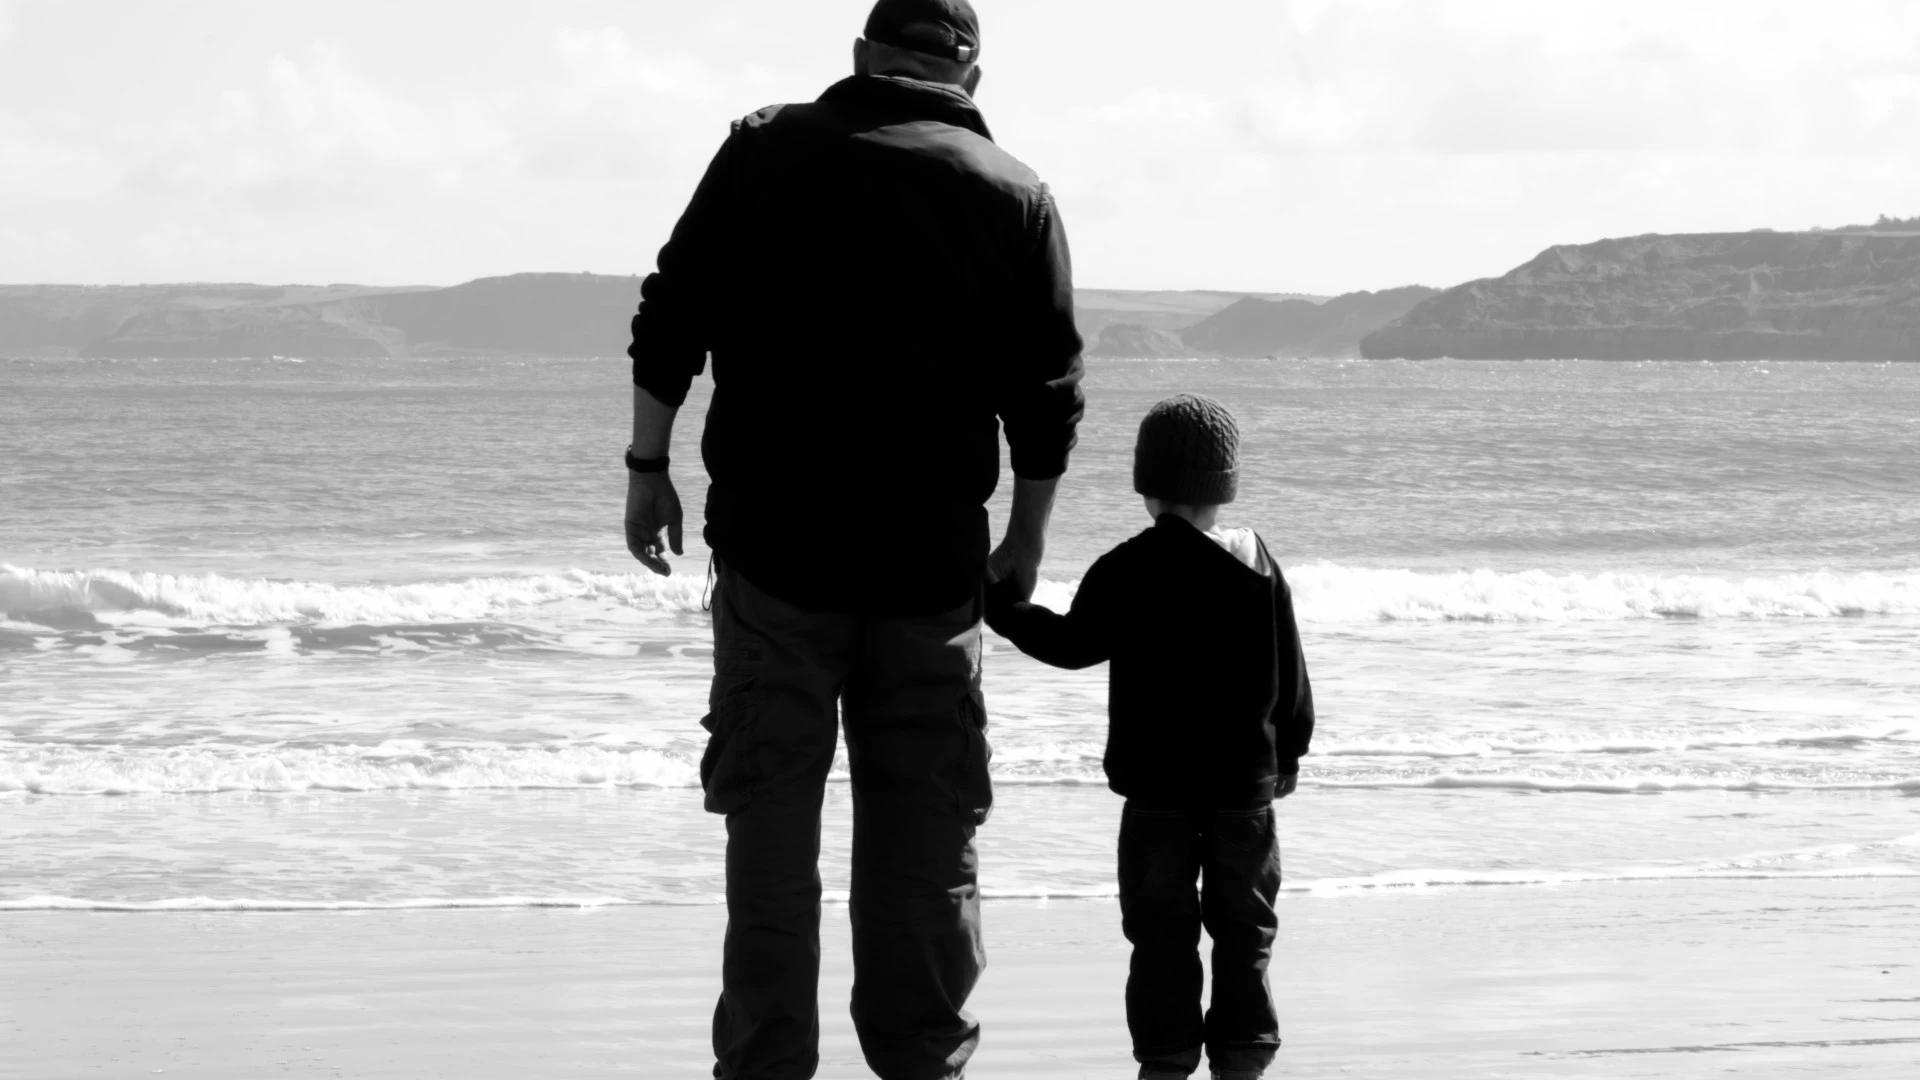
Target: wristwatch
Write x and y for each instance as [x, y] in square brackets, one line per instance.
[657, 464]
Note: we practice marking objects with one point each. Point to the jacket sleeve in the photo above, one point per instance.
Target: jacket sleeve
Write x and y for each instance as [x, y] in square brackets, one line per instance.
[674, 328]
[1293, 712]
[1040, 400]
[1078, 639]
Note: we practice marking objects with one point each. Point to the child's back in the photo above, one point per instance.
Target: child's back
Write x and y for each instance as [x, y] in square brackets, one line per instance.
[1209, 712]
[1208, 697]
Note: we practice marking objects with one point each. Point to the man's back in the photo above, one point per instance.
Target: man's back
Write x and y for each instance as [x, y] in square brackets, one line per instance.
[878, 284]
[880, 287]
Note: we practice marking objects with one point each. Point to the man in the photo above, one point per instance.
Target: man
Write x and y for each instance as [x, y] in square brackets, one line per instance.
[880, 287]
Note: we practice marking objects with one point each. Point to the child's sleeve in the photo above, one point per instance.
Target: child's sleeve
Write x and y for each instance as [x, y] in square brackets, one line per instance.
[1077, 639]
[1293, 713]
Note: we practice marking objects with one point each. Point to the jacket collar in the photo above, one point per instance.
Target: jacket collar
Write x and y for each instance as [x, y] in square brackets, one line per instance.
[923, 100]
[1184, 531]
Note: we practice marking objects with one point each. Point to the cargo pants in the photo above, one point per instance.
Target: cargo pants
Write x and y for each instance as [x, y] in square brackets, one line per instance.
[909, 691]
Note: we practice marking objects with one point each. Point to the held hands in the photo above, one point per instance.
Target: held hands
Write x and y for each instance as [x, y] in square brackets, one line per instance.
[1017, 559]
[1015, 562]
[652, 506]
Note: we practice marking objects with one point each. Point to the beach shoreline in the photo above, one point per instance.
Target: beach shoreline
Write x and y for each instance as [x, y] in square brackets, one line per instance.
[1674, 978]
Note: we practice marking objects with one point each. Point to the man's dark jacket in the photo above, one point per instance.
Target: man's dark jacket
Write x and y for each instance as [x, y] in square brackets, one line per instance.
[1207, 699]
[879, 286]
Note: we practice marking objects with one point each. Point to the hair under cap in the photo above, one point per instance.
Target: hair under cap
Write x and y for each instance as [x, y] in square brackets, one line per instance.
[1188, 452]
[945, 28]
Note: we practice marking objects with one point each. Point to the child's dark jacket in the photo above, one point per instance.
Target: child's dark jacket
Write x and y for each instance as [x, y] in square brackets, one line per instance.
[1208, 699]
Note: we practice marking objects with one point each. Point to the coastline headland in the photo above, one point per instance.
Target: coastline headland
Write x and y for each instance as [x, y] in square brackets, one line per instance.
[535, 314]
[1838, 295]
[1845, 294]
[543, 314]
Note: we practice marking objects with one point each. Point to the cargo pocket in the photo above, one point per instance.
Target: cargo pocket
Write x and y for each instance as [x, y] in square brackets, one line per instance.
[973, 793]
[728, 769]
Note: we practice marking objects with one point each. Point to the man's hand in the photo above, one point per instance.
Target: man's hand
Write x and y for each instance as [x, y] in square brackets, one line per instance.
[1018, 562]
[1018, 556]
[652, 505]
[1286, 785]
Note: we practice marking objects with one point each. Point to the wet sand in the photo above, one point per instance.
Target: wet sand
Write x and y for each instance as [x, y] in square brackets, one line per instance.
[1646, 979]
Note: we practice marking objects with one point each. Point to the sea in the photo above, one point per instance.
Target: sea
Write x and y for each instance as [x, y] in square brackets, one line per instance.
[300, 634]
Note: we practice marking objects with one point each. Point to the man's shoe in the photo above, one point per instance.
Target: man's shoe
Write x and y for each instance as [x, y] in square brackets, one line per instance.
[1237, 1074]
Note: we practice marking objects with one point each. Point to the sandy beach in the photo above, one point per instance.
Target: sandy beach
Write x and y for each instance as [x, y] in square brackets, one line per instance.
[1650, 979]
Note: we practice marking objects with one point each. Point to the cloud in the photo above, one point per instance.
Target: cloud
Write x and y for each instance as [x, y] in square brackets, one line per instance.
[317, 159]
[1370, 142]
[603, 60]
[1321, 144]
[1497, 78]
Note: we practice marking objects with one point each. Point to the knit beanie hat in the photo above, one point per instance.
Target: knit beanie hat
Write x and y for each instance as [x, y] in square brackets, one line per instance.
[1188, 452]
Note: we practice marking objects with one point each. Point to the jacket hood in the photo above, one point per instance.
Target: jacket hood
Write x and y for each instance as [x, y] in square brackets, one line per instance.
[1230, 546]
[925, 100]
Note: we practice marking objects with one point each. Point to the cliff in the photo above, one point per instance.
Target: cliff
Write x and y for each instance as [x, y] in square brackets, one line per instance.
[1256, 327]
[1132, 341]
[1841, 295]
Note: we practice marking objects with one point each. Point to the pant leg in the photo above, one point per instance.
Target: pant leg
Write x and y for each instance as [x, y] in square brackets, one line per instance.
[778, 672]
[916, 746]
[1242, 880]
[1160, 915]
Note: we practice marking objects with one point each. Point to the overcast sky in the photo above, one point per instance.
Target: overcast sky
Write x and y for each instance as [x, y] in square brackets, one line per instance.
[1236, 144]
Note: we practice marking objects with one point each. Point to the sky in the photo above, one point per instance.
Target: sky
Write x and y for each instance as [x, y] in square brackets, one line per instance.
[1253, 145]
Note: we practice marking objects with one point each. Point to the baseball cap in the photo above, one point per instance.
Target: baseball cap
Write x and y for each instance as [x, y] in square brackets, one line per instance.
[943, 28]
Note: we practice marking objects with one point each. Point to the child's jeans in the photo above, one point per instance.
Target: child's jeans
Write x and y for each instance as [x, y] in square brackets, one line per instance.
[1234, 856]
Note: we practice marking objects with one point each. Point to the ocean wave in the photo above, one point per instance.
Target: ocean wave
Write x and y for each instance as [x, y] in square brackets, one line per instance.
[1416, 879]
[210, 904]
[62, 598]
[1438, 879]
[409, 765]
[1638, 784]
[43, 769]
[1323, 592]
[1329, 593]
[1623, 743]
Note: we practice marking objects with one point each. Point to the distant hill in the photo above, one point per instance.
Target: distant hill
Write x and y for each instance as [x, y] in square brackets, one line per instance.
[536, 314]
[1827, 295]
[1097, 309]
[1883, 224]
[532, 314]
[69, 319]
[1256, 327]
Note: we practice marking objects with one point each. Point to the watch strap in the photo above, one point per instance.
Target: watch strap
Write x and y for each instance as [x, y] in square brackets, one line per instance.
[647, 465]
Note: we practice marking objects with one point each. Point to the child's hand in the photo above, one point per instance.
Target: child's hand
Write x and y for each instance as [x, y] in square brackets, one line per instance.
[1286, 785]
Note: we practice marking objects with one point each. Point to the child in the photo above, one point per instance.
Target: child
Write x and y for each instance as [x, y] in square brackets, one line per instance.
[1209, 712]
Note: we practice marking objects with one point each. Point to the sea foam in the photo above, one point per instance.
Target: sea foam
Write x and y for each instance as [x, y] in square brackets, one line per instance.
[51, 769]
[36, 596]
[401, 765]
[1323, 592]
[1326, 592]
